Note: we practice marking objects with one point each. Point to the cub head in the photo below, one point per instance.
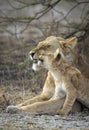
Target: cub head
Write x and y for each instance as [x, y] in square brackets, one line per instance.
[49, 46]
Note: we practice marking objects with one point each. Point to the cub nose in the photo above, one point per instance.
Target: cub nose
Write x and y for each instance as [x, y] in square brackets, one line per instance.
[32, 53]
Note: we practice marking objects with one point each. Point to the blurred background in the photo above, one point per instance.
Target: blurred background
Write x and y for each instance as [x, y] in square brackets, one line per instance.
[23, 23]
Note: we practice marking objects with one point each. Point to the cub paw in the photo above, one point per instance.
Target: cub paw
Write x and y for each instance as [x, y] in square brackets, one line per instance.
[12, 109]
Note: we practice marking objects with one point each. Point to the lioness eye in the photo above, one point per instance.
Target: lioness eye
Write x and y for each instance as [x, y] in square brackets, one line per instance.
[45, 47]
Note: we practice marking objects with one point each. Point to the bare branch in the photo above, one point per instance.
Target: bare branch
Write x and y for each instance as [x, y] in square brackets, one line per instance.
[76, 5]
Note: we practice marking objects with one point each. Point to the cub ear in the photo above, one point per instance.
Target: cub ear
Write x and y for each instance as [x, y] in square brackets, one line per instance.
[71, 42]
[57, 55]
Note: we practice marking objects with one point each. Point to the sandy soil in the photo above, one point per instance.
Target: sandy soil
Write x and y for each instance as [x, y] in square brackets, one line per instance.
[26, 121]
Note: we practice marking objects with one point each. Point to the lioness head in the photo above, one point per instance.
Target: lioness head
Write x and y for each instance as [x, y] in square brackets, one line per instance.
[49, 46]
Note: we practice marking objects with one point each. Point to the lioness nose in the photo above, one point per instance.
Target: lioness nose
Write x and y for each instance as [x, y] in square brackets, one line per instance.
[32, 53]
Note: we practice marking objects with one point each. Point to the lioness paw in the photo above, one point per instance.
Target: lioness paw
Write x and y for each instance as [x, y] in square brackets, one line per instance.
[12, 109]
[63, 112]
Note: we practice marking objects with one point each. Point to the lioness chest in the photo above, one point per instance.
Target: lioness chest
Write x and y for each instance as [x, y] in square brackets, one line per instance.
[60, 87]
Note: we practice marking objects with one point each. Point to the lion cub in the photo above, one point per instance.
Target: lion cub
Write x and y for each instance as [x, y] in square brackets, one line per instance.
[69, 82]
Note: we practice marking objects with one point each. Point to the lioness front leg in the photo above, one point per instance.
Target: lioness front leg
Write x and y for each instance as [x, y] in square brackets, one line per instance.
[46, 107]
[69, 101]
[37, 98]
[47, 93]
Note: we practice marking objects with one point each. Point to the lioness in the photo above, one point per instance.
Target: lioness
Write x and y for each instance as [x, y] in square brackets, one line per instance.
[67, 46]
[69, 81]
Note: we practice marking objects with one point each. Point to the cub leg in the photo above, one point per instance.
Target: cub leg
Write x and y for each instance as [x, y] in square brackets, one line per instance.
[47, 93]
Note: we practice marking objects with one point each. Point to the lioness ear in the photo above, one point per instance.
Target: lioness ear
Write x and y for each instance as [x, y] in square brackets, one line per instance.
[58, 54]
[71, 42]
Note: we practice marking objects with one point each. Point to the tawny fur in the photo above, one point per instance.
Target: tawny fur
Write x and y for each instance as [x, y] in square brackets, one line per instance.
[44, 101]
[68, 81]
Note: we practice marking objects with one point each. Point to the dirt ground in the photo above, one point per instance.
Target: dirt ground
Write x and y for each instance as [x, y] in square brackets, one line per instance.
[26, 121]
